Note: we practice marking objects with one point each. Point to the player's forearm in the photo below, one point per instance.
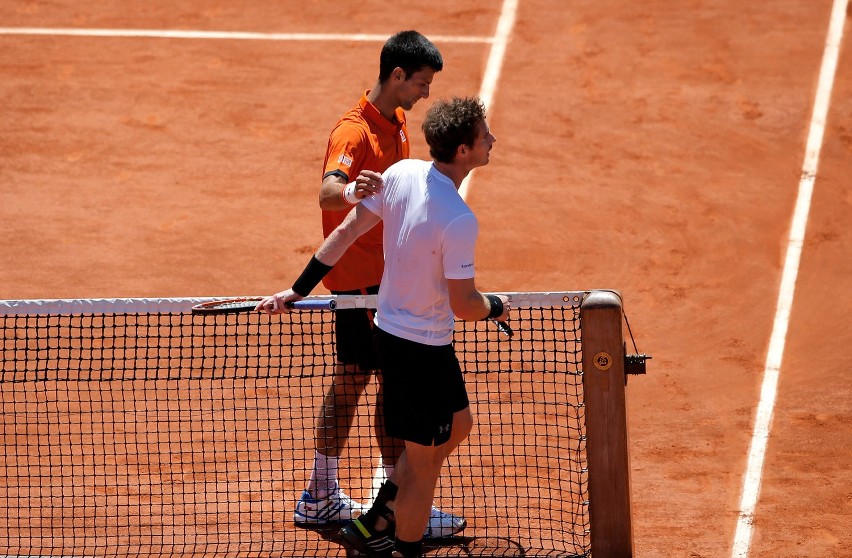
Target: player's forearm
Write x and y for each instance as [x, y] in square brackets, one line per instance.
[466, 301]
[354, 225]
[475, 307]
[331, 198]
[328, 254]
[469, 304]
[335, 246]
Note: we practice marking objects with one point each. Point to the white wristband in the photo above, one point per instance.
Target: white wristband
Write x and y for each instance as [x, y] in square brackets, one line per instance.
[349, 194]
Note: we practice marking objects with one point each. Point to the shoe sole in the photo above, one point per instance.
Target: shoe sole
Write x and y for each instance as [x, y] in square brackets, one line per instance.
[305, 521]
[319, 524]
[354, 543]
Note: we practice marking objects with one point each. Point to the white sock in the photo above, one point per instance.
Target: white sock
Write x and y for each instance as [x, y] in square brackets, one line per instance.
[380, 475]
[324, 476]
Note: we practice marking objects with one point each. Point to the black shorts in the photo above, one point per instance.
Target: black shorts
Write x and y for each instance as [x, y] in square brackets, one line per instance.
[423, 388]
[353, 333]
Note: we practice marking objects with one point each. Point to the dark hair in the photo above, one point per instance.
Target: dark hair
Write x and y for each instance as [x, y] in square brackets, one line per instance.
[410, 51]
[449, 124]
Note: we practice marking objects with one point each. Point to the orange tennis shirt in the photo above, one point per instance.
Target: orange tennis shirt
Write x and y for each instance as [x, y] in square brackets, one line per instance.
[362, 139]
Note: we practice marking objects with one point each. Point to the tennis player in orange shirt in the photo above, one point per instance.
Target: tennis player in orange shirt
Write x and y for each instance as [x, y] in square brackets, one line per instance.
[363, 144]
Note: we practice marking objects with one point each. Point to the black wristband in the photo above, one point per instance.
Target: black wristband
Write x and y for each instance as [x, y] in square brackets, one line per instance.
[496, 307]
[310, 278]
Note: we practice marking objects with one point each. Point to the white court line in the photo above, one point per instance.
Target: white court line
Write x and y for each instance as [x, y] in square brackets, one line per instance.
[486, 92]
[494, 66]
[227, 35]
[763, 419]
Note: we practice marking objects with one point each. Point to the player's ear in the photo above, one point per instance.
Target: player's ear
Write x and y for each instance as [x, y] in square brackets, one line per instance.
[398, 74]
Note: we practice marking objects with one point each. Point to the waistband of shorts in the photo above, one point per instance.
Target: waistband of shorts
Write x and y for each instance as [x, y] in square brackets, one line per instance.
[374, 289]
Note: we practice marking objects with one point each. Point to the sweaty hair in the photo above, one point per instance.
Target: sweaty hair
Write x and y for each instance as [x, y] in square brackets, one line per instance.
[410, 51]
[449, 124]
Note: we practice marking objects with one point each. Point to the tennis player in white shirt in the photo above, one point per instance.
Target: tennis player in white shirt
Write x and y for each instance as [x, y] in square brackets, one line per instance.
[428, 281]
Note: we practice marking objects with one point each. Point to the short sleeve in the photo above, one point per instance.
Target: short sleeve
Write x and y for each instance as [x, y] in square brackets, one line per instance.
[373, 203]
[347, 148]
[458, 245]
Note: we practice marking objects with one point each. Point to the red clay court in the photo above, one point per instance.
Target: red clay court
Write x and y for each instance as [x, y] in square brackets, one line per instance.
[655, 147]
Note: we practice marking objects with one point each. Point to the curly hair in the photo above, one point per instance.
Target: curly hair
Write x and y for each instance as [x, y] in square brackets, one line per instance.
[449, 124]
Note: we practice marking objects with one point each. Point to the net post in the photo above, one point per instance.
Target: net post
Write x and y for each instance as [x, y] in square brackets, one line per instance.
[606, 425]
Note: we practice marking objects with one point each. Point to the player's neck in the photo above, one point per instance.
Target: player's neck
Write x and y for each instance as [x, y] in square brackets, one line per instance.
[383, 101]
[453, 171]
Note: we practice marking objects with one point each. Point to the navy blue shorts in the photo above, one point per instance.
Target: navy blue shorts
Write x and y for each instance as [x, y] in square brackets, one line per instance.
[423, 388]
[353, 334]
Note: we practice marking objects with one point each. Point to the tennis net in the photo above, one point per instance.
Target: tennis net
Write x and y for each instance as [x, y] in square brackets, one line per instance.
[131, 427]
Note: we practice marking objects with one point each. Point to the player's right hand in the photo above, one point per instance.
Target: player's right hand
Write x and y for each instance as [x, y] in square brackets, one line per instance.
[368, 183]
[279, 303]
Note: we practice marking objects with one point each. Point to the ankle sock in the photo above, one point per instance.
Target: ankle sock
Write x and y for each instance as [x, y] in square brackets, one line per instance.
[324, 476]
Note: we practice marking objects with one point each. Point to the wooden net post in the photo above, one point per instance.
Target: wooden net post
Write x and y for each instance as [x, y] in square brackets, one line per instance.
[606, 425]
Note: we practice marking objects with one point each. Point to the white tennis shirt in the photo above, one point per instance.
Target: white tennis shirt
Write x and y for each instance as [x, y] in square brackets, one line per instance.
[429, 237]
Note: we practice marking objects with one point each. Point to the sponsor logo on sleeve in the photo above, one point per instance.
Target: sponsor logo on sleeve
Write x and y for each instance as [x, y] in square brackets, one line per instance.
[344, 160]
[402, 136]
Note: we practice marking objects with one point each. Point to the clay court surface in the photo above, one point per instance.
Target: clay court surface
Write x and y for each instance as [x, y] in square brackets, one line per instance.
[652, 147]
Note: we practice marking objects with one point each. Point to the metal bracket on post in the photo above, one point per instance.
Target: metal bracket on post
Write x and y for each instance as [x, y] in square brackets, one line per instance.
[634, 364]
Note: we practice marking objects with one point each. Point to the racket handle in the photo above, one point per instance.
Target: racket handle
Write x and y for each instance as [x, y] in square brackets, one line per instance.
[505, 329]
[313, 304]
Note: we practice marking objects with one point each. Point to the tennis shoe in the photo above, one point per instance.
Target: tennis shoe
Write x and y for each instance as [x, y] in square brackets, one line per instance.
[360, 539]
[337, 507]
[442, 524]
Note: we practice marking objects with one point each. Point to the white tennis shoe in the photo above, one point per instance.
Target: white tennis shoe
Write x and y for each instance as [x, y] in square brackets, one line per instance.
[442, 524]
[337, 507]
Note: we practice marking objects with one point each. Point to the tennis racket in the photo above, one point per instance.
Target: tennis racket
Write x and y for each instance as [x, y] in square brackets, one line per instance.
[248, 304]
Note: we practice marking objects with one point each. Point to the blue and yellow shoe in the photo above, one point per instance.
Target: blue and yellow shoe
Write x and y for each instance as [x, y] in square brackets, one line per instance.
[356, 536]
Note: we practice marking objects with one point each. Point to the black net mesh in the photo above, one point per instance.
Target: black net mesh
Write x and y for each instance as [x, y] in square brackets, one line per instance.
[165, 434]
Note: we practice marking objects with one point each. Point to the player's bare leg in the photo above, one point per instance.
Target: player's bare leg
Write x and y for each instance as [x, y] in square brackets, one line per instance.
[339, 405]
[417, 476]
[324, 501]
